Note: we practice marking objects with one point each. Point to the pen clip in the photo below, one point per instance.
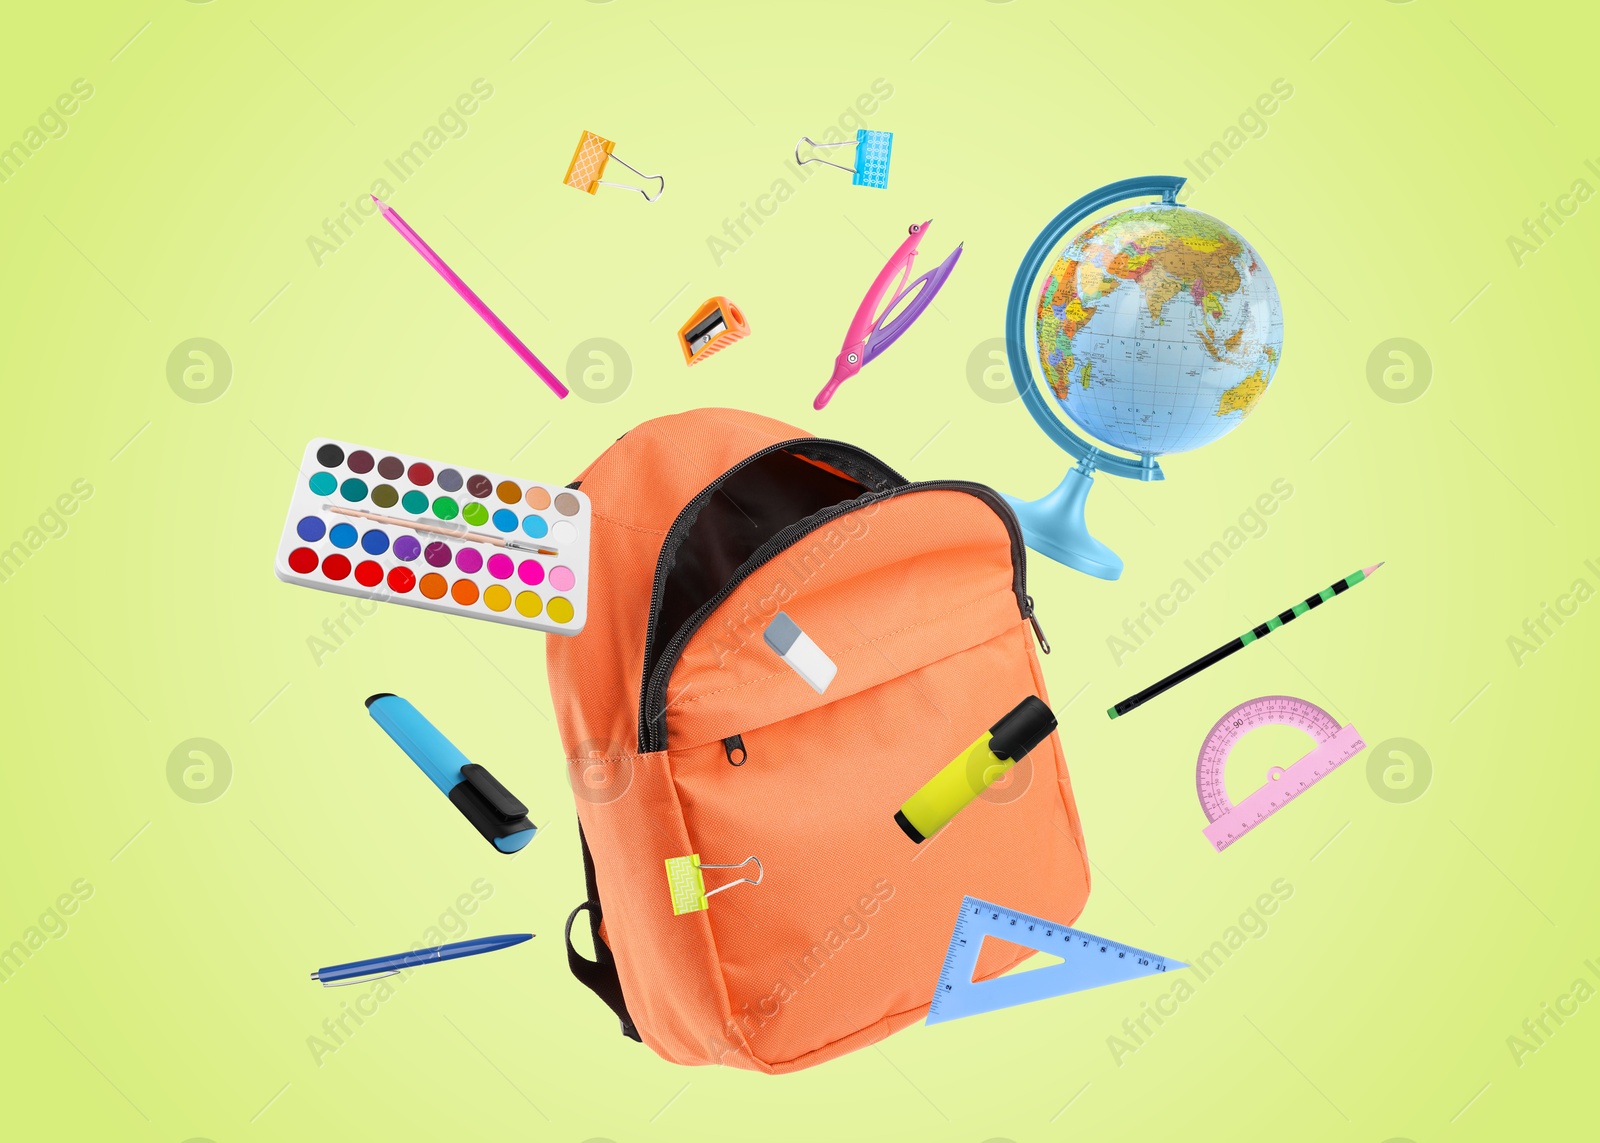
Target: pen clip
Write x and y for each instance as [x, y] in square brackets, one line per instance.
[358, 979]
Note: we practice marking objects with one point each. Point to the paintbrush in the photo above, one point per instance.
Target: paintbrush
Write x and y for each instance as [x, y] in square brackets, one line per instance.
[443, 530]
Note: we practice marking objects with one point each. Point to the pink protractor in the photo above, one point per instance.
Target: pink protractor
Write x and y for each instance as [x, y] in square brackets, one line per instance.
[873, 330]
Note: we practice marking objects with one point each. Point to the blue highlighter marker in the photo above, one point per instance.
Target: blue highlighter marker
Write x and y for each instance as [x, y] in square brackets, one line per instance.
[493, 810]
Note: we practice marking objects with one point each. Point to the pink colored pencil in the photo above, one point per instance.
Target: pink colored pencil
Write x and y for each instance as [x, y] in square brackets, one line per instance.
[471, 298]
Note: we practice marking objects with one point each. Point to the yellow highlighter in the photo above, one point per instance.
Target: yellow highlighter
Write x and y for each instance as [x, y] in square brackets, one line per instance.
[972, 772]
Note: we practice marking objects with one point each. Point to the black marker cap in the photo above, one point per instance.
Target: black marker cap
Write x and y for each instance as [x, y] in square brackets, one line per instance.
[904, 823]
[1029, 723]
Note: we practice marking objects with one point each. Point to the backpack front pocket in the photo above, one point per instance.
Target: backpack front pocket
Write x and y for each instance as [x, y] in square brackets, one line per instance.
[917, 596]
[849, 926]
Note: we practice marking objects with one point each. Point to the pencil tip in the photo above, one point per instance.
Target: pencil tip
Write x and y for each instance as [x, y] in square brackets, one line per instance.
[1373, 568]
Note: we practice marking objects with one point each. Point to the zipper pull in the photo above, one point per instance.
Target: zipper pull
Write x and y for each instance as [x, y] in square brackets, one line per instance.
[732, 746]
[1038, 632]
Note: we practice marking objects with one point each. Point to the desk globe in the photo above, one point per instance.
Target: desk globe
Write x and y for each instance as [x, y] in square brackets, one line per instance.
[1158, 330]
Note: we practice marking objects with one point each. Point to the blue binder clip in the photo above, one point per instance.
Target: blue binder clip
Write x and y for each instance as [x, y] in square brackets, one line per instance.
[873, 149]
[493, 810]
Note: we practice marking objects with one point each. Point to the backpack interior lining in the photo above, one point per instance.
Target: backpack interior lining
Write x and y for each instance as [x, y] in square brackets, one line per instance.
[745, 511]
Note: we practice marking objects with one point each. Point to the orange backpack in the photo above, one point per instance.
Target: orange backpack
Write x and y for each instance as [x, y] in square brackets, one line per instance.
[686, 734]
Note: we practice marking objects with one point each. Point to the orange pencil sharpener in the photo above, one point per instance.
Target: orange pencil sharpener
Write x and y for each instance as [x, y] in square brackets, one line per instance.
[717, 324]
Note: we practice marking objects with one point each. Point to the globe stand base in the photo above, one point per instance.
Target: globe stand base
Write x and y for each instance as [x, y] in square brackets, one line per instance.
[1055, 526]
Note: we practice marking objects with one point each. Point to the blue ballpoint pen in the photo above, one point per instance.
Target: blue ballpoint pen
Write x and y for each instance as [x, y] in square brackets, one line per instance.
[359, 970]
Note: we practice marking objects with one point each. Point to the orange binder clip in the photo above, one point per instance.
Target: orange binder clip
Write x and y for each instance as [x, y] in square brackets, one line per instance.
[589, 162]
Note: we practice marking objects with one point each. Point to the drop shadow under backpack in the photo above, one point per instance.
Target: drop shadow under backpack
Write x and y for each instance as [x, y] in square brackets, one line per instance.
[686, 734]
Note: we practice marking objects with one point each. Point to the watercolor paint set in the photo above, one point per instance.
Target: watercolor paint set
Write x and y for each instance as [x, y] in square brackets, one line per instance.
[464, 541]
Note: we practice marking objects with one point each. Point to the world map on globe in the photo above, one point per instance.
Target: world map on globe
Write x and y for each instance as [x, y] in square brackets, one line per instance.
[1159, 329]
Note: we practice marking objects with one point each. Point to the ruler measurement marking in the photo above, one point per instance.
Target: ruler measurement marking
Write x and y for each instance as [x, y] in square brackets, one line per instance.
[1335, 745]
[956, 989]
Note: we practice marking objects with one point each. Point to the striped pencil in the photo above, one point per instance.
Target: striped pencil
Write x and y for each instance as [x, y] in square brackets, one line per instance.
[1242, 641]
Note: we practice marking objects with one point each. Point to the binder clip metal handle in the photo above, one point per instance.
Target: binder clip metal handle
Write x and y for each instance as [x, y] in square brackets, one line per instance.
[760, 873]
[873, 149]
[661, 183]
[687, 884]
[815, 146]
[589, 161]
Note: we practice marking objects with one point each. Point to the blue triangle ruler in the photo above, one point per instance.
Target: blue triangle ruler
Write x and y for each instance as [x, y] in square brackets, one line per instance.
[1087, 961]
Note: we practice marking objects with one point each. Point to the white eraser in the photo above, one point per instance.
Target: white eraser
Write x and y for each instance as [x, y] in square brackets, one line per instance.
[795, 647]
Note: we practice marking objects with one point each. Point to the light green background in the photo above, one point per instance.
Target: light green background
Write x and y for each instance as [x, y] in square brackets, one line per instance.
[173, 1003]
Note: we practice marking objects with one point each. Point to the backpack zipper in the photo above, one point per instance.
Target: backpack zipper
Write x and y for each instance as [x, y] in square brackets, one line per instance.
[1038, 632]
[652, 730]
[734, 744]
